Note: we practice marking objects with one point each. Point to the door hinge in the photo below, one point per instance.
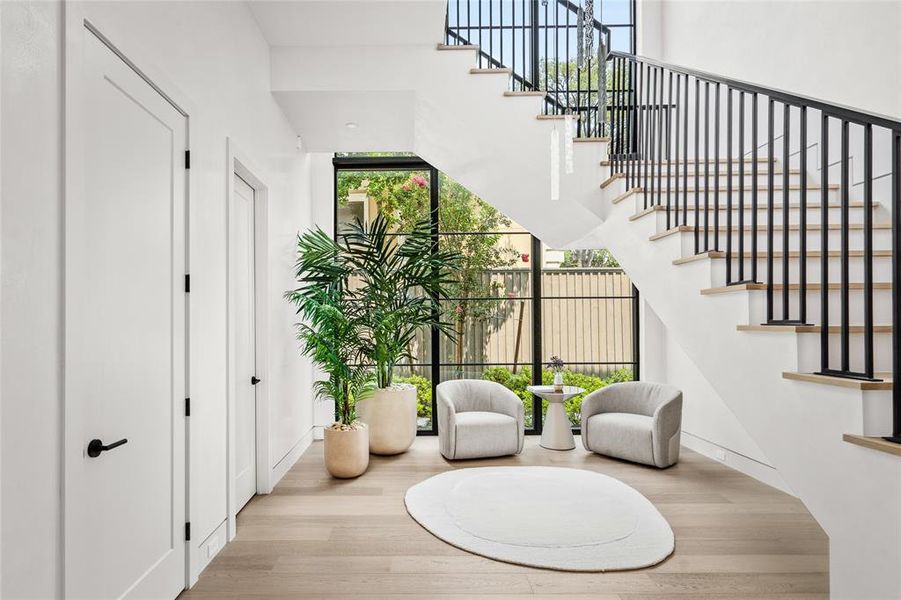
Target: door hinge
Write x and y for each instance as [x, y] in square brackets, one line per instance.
[187, 284]
[187, 159]
[188, 531]
[187, 407]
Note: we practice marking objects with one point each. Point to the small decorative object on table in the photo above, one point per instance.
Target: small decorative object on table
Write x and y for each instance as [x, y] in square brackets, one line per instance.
[556, 364]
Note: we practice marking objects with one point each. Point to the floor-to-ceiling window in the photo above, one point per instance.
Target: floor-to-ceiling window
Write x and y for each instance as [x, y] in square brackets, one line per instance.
[513, 303]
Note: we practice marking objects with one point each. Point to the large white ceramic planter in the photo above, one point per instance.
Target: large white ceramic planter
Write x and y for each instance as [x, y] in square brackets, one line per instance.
[391, 416]
[347, 451]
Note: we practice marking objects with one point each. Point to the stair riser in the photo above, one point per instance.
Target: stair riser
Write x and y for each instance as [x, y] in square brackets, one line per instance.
[882, 269]
[794, 195]
[814, 216]
[882, 306]
[882, 240]
[809, 352]
[748, 177]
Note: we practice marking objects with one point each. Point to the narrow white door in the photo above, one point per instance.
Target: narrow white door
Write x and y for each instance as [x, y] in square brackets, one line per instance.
[245, 345]
[125, 338]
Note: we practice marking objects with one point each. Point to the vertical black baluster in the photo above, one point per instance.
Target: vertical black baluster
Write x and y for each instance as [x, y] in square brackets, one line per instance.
[675, 107]
[741, 187]
[729, 189]
[769, 211]
[868, 249]
[468, 22]
[525, 47]
[706, 166]
[566, 91]
[896, 282]
[616, 114]
[645, 130]
[845, 243]
[653, 114]
[685, 159]
[697, 164]
[786, 123]
[824, 242]
[802, 218]
[716, 167]
[513, 41]
[491, 29]
[458, 23]
[481, 47]
[637, 115]
[501, 30]
[660, 142]
[753, 187]
[669, 181]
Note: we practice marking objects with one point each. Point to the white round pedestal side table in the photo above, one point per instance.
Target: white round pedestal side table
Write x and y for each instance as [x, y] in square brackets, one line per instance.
[557, 433]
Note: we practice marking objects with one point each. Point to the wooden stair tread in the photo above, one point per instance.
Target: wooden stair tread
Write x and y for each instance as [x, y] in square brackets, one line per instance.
[524, 93]
[457, 47]
[592, 139]
[498, 71]
[873, 443]
[557, 117]
[854, 384]
[810, 328]
[762, 254]
[611, 179]
[745, 287]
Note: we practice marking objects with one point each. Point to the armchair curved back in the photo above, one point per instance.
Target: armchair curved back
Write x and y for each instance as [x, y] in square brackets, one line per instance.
[635, 397]
[465, 395]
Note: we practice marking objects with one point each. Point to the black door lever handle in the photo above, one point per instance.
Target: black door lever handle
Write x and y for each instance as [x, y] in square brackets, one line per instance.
[254, 380]
[95, 447]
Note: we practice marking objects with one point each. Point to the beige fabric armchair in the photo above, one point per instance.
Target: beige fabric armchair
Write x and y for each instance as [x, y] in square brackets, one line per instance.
[636, 421]
[478, 419]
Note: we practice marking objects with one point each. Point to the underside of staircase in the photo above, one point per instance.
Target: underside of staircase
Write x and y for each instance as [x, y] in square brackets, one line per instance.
[701, 234]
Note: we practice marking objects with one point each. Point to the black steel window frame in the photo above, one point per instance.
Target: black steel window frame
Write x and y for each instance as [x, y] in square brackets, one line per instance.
[413, 163]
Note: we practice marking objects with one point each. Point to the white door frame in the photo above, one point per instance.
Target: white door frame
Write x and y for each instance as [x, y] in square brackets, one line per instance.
[80, 21]
[238, 163]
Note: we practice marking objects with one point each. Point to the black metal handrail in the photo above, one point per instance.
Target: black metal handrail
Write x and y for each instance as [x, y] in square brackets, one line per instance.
[662, 119]
[528, 23]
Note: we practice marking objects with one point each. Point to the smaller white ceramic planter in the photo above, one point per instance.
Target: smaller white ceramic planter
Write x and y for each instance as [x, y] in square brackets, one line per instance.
[346, 451]
[391, 416]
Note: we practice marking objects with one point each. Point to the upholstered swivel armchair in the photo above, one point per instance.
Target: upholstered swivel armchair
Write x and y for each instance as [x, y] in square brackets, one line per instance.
[478, 419]
[636, 421]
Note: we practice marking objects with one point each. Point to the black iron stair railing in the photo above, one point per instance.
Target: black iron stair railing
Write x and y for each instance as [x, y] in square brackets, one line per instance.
[664, 119]
[536, 40]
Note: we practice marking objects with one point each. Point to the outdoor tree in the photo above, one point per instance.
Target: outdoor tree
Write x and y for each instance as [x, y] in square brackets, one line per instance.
[588, 258]
[402, 197]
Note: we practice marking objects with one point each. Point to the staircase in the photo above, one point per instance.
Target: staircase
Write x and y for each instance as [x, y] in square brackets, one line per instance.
[759, 227]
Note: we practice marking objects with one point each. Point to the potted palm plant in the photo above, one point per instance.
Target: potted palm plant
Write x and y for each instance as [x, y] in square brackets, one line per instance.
[397, 281]
[329, 333]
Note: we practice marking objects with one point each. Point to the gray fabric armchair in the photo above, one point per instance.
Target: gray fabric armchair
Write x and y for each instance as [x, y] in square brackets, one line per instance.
[636, 421]
[478, 419]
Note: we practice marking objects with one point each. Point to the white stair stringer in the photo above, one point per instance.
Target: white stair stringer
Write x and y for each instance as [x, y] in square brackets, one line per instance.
[493, 144]
[854, 493]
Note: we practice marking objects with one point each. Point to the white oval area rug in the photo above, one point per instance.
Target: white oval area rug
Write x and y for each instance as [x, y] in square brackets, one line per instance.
[549, 517]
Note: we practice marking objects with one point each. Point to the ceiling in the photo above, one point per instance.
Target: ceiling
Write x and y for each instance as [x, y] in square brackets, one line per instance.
[349, 22]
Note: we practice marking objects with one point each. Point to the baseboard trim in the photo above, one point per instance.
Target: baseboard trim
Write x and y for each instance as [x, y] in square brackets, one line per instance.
[287, 461]
[744, 464]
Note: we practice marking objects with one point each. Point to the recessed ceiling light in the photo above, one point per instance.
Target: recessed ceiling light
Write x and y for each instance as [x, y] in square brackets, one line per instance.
[350, 125]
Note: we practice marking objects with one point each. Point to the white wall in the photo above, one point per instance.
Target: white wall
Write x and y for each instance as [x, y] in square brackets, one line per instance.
[708, 425]
[842, 51]
[212, 55]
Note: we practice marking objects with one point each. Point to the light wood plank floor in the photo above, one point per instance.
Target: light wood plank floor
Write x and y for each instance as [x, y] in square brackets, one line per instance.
[317, 537]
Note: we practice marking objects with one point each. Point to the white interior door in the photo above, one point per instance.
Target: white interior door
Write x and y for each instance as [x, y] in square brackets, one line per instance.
[125, 337]
[245, 345]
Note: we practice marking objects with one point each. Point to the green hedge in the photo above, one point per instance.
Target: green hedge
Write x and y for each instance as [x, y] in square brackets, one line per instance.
[517, 382]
